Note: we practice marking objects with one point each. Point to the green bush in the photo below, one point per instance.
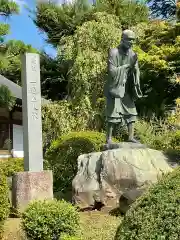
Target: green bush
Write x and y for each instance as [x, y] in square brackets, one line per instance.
[8, 168]
[54, 121]
[156, 214]
[175, 141]
[4, 203]
[67, 237]
[55, 115]
[155, 133]
[46, 220]
[11, 166]
[63, 153]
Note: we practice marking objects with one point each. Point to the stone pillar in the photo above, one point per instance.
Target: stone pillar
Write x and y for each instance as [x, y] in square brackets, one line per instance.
[34, 183]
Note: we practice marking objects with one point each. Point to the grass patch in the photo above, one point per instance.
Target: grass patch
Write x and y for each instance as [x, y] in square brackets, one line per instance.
[94, 226]
[98, 226]
[12, 230]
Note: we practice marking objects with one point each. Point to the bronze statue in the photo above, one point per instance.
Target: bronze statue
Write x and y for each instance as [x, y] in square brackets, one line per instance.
[123, 86]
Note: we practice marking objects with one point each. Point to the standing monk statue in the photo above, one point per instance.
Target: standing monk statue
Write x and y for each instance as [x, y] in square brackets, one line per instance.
[123, 86]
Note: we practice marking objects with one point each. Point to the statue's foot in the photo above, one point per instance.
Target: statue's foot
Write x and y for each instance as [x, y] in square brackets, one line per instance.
[133, 140]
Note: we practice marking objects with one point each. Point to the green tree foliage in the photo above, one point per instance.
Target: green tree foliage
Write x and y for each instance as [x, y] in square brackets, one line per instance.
[163, 8]
[88, 49]
[7, 8]
[158, 134]
[63, 117]
[54, 121]
[10, 51]
[83, 33]
[7, 100]
[129, 12]
[10, 64]
[175, 118]
[178, 10]
[158, 51]
[60, 21]
[54, 75]
[57, 22]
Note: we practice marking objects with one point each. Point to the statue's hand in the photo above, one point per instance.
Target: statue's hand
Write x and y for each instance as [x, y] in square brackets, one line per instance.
[127, 66]
[133, 62]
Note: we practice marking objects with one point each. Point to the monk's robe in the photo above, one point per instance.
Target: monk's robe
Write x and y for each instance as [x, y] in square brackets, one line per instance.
[122, 87]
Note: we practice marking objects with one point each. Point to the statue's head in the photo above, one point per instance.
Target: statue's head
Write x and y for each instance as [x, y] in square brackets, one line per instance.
[128, 38]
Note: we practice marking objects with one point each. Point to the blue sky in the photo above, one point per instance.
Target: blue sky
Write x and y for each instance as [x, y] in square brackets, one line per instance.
[23, 28]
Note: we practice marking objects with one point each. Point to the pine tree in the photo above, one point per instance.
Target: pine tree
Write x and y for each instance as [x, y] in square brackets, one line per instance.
[7, 8]
[163, 8]
[61, 21]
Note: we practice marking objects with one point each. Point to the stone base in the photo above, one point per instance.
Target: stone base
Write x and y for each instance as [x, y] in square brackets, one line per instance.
[28, 186]
[117, 177]
[114, 145]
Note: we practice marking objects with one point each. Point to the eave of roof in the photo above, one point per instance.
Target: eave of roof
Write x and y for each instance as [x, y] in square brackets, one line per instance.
[16, 89]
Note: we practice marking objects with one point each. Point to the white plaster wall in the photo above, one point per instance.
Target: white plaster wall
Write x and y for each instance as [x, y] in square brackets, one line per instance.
[17, 150]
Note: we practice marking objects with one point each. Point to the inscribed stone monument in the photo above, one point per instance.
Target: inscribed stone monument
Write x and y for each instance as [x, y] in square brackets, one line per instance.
[123, 86]
[33, 158]
[33, 183]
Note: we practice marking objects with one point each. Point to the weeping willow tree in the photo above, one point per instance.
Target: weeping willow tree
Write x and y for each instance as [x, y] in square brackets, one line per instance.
[7, 100]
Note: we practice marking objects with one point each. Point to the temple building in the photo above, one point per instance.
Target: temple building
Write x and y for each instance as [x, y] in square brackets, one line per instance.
[11, 127]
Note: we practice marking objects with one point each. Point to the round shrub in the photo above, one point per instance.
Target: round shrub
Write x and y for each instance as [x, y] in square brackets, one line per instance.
[47, 220]
[155, 215]
[63, 153]
[4, 202]
[11, 166]
[8, 168]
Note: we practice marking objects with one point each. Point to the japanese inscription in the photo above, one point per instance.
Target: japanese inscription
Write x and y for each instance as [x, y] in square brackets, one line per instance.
[33, 90]
[33, 158]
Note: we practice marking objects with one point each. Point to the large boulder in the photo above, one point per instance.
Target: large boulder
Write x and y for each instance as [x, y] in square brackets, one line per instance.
[117, 176]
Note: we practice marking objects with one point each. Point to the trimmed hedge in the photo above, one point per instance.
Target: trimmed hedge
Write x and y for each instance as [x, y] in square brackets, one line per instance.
[155, 215]
[47, 220]
[11, 166]
[63, 153]
[8, 168]
[4, 201]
